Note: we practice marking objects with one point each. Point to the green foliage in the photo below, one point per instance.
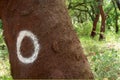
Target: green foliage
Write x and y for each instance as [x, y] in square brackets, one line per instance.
[85, 10]
[3, 49]
[83, 29]
[0, 24]
[106, 65]
[6, 78]
[5, 69]
[4, 62]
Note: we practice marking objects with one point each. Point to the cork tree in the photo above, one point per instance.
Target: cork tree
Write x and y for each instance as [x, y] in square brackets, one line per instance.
[41, 40]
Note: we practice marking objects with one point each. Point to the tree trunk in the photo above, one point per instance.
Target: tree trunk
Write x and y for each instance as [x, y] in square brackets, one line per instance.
[103, 16]
[118, 3]
[93, 33]
[41, 41]
[116, 14]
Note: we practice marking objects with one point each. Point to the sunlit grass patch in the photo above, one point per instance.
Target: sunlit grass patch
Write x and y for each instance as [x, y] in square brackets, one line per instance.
[5, 69]
[4, 60]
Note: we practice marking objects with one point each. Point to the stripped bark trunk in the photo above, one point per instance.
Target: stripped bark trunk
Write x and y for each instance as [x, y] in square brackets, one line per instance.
[102, 30]
[93, 33]
[97, 15]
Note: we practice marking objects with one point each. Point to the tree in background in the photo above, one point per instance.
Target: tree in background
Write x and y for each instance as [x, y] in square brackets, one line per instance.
[116, 13]
[99, 11]
[92, 10]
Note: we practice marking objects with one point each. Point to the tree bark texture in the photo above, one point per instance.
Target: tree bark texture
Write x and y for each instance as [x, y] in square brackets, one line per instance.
[60, 53]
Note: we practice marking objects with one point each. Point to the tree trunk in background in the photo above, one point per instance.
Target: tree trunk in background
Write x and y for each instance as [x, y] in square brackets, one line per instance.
[102, 28]
[116, 14]
[93, 33]
[118, 3]
[99, 11]
[60, 53]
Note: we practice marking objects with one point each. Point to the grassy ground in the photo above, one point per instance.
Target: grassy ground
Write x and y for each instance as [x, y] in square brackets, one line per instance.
[104, 56]
[5, 69]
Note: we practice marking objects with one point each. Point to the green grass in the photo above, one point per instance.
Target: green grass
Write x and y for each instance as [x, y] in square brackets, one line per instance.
[104, 57]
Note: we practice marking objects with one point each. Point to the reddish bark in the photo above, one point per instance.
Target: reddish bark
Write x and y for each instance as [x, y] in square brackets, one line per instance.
[93, 33]
[103, 16]
[60, 55]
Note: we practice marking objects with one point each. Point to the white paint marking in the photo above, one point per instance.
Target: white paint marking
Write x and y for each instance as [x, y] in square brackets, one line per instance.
[21, 36]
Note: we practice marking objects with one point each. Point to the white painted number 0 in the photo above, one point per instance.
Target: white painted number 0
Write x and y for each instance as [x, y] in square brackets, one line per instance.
[21, 36]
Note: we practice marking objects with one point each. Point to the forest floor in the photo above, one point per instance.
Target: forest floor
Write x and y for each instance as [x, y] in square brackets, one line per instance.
[104, 56]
